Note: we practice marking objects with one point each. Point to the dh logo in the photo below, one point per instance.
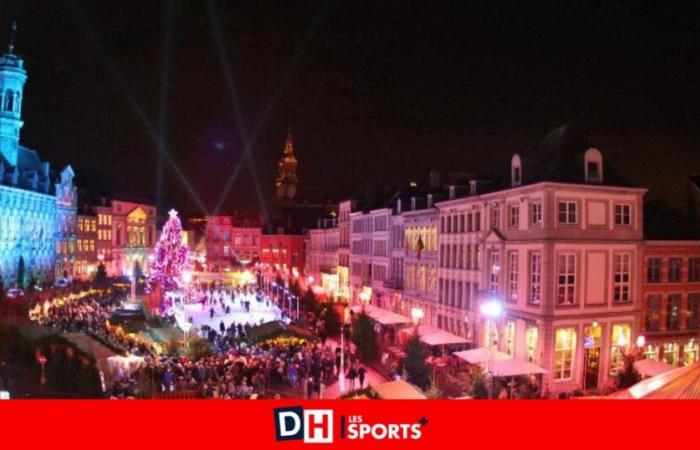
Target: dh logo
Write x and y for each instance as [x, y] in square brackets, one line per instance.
[314, 426]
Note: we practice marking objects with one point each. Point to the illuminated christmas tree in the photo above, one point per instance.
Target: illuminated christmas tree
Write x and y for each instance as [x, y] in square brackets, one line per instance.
[170, 256]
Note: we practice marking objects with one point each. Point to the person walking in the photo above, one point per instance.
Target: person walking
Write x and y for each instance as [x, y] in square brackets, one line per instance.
[351, 375]
[361, 372]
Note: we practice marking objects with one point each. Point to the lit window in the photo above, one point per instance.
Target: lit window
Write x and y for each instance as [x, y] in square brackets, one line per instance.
[510, 337]
[620, 344]
[495, 268]
[531, 337]
[673, 312]
[671, 353]
[564, 345]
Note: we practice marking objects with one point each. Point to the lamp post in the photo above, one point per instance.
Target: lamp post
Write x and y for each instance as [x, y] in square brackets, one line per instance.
[492, 309]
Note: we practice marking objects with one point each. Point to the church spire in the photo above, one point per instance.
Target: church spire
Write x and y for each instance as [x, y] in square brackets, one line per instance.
[13, 32]
[288, 147]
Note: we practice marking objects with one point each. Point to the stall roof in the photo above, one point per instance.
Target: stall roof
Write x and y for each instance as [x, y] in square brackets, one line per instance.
[650, 368]
[681, 383]
[398, 390]
[381, 315]
[480, 355]
[514, 367]
[435, 336]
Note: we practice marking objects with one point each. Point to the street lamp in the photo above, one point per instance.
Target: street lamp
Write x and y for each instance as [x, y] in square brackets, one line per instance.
[641, 341]
[493, 310]
[417, 314]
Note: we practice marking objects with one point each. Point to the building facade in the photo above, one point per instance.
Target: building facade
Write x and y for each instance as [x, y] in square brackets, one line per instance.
[232, 242]
[322, 255]
[285, 252]
[126, 236]
[670, 313]
[37, 208]
[86, 247]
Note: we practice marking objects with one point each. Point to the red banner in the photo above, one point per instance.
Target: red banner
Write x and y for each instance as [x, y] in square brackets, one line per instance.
[264, 424]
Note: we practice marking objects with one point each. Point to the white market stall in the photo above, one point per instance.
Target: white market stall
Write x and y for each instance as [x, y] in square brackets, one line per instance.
[480, 355]
[682, 383]
[381, 315]
[650, 368]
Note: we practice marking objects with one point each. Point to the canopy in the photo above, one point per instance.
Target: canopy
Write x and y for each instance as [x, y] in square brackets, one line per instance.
[480, 355]
[682, 383]
[435, 336]
[514, 367]
[383, 316]
[398, 390]
[649, 367]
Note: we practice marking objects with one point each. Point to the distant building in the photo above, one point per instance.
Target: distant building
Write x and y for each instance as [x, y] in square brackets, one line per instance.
[86, 246]
[322, 255]
[283, 251]
[126, 235]
[231, 242]
[670, 297]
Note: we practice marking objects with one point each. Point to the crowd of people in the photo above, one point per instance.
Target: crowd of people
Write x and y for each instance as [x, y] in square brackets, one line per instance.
[237, 368]
[90, 315]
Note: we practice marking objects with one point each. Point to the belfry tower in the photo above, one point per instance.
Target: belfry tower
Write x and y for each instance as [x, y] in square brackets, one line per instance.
[12, 78]
[287, 172]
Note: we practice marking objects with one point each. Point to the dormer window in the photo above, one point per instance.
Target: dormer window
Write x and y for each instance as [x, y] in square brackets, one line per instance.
[593, 166]
[515, 171]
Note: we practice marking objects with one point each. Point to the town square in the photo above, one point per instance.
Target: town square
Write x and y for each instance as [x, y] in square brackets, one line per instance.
[325, 201]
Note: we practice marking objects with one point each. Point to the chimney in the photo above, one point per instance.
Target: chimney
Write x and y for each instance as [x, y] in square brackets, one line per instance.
[430, 200]
[413, 203]
[453, 192]
[434, 179]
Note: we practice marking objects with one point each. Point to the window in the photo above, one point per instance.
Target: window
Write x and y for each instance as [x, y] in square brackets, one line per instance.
[651, 351]
[514, 216]
[513, 276]
[490, 334]
[535, 293]
[692, 321]
[674, 270]
[621, 335]
[494, 268]
[531, 338]
[564, 345]
[567, 212]
[652, 321]
[477, 221]
[671, 353]
[622, 278]
[510, 337]
[673, 312]
[690, 352]
[654, 270]
[495, 216]
[693, 269]
[566, 279]
[623, 214]
[536, 213]
[593, 171]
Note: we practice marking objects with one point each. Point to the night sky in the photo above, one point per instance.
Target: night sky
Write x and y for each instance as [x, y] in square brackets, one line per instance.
[374, 91]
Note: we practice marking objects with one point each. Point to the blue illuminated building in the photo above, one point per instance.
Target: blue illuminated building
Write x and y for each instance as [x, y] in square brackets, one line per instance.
[38, 206]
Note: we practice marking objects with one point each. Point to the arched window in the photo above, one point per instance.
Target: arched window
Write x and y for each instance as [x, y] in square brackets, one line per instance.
[593, 166]
[9, 100]
[516, 171]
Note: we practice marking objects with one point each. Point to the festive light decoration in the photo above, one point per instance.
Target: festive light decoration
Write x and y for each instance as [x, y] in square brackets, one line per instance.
[170, 256]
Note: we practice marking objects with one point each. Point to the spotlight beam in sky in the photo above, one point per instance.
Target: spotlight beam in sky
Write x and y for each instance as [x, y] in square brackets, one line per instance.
[166, 50]
[115, 73]
[248, 144]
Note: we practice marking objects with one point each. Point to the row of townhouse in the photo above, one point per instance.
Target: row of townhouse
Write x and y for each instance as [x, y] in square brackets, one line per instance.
[561, 246]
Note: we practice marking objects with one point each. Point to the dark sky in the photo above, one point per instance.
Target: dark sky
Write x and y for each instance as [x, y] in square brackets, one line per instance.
[374, 91]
